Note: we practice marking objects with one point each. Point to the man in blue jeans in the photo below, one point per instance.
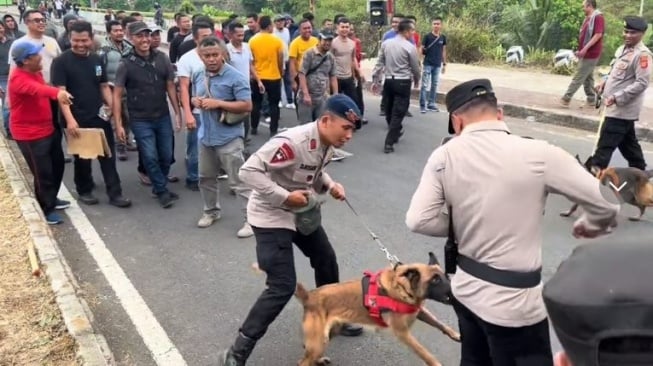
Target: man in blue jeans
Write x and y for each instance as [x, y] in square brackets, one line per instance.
[147, 76]
[434, 49]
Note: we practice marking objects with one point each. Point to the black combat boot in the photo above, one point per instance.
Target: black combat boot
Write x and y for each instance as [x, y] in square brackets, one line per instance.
[237, 354]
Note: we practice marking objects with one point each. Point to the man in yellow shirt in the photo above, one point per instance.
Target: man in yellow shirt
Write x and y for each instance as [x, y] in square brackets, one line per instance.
[298, 46]
[267, 51]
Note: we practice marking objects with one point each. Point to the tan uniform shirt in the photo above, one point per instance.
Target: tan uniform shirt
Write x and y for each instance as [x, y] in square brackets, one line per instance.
[497, 185]
[628, 81]
[292, 160]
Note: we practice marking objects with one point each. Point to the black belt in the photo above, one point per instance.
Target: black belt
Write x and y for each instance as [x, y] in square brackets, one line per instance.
[500, 277]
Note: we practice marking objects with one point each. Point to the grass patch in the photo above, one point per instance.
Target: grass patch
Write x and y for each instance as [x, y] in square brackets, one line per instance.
[32, 331]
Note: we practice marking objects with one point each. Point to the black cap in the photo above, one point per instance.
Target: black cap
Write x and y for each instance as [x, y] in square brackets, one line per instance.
[465, 92]
[343, 107]
[325, 34]
[138, 27]
[602, 291]
[635, 23]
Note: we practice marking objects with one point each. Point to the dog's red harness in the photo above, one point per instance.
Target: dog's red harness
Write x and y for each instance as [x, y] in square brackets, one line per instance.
[376, 302]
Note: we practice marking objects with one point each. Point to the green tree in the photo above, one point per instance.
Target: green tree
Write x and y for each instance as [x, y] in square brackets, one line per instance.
[253, 6]
[114, 4]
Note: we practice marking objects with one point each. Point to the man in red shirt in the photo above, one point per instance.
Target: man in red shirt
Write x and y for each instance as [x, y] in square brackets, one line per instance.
[590, 45]
[33, 129]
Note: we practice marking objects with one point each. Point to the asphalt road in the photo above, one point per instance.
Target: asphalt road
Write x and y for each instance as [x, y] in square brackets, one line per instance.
[199, 284]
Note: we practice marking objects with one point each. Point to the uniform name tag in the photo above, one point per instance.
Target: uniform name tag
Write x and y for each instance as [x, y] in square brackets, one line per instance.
[308, 167]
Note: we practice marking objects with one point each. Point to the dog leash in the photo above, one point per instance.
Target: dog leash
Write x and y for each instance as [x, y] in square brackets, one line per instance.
[390, 257]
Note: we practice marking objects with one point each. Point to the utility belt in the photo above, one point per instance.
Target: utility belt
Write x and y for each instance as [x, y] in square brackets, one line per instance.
[501, 277]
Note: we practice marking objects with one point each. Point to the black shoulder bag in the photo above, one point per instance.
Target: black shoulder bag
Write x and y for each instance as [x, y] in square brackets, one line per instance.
[310, 71]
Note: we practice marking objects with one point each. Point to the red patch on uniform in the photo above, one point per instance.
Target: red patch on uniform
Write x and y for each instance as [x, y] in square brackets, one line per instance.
[643, 62]
[313, 144]
[284, 153]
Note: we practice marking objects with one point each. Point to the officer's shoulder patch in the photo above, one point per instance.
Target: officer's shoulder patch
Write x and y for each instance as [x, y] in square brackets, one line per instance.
[284, 153]
[643, 61]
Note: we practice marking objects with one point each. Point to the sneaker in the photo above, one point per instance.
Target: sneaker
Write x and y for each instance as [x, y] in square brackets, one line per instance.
[422, 110]
[166, 200]
[61, 204]
[88, 199]
[268, 119]
[408, 114]
[193, 186]
[290, 106]
[280, 105]
[208, 219]
[145, 180]
[53, 218]
[433, 108]
[120, 202]
[245, 231]
[223, 176]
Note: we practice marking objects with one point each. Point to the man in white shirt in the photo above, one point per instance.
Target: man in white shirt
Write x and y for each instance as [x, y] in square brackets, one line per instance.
[240, 57]
[282, 32]
[187, 65]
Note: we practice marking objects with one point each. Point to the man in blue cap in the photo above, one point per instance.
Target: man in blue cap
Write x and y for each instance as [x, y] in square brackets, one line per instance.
[285, 176]
[33, 129]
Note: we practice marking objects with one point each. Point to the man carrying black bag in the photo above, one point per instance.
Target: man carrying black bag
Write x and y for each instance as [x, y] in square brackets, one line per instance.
[495, 184]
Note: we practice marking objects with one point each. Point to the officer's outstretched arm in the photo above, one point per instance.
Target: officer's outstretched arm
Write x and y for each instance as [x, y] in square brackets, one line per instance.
[564, 175]
[277, 154]
[639, 86]
[427, 212]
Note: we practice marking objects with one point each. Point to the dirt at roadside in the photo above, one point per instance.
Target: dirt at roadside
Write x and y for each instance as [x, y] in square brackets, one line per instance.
[32, 331]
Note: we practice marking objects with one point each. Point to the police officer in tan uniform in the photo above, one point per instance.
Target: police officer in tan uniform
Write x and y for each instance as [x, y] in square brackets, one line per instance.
[490, 188]
[285, 175]
[623, 95]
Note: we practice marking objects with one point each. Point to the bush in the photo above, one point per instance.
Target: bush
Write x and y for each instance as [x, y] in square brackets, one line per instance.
[539, 58]
[471, 43]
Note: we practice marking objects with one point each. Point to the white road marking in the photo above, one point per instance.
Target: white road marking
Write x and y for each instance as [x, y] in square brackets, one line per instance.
[154, 336]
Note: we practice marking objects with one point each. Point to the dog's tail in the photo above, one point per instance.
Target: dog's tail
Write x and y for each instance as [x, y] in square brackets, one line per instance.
[301, 293]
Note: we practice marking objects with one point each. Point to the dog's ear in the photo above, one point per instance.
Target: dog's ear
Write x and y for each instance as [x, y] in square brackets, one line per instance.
[413, 276]
[433, 260]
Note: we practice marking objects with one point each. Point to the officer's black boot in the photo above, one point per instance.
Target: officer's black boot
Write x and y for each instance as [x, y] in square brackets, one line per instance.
[351, 330]
[238, 354]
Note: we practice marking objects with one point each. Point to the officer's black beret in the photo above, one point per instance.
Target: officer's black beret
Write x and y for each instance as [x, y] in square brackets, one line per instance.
[465, 92]
[635, 23]
[343, 107]
[604, 291]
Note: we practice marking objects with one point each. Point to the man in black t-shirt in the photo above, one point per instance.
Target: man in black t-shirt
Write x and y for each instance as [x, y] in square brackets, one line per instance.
[434, 49]
[185, 25]
[82, 74]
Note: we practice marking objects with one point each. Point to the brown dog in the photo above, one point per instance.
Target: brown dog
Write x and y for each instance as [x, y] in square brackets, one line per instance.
[393, 298]
[636, 189]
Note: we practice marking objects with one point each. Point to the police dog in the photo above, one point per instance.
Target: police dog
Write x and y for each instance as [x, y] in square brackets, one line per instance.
[326, 307]
[637, 190]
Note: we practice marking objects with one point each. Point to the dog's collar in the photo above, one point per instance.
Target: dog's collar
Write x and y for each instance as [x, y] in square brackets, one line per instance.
[377, 302]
